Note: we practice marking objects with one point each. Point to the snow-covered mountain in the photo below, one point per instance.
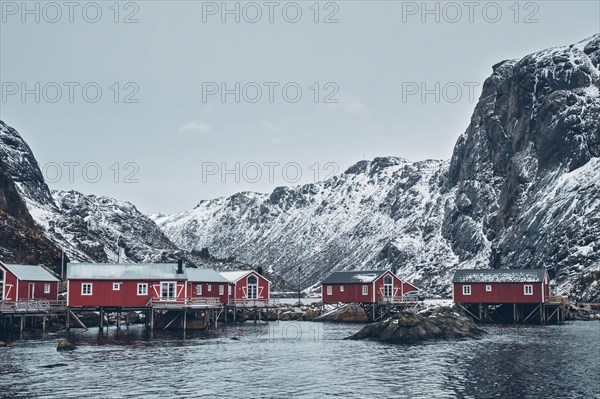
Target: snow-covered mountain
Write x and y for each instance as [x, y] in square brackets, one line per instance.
[87, 227]
[521, 190]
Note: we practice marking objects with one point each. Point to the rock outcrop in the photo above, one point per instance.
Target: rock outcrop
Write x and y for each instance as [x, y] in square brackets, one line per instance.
[348, 313]
[407, 328]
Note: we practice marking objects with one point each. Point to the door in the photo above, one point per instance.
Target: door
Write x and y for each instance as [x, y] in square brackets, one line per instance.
[388, 287]
[252, 285]
[167, 291]
[31, 290]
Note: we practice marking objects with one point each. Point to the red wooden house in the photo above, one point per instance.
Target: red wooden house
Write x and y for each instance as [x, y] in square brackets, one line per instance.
[371, 286]
[125, 285]
[247, 285]
[19, 282]
[207, 283]
[498, 286]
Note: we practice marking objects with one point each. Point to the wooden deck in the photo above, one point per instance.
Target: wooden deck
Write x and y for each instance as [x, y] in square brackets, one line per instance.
[32, 306]
[186, 303]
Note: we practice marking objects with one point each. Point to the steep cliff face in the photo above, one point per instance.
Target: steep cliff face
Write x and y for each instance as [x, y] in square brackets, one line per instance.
[521, 190]
[87, 227]
[22, 241]
[525, 172]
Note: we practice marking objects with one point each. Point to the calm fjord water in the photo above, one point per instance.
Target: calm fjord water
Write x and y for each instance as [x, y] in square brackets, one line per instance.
[306, 360]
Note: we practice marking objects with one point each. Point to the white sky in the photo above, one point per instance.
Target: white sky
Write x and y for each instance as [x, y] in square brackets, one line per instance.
[376, 49]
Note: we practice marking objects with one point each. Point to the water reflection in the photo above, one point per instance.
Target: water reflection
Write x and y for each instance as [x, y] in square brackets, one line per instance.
[304, 359]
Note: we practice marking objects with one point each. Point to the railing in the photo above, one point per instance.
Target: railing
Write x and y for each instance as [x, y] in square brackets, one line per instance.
[184, 302]
[254, 303]
[397, 299]
[31, 305]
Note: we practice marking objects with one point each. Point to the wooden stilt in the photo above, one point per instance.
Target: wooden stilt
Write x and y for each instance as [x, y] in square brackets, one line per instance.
[515, 313]
[43, 323]
[101, 319]
[151, 319]
[22, 323]
[184, 320]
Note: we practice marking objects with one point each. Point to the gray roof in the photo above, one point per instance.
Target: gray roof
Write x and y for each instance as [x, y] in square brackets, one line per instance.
[204, 275]
[30, 272]
[353, 277]
[499, 276]
[125, 271]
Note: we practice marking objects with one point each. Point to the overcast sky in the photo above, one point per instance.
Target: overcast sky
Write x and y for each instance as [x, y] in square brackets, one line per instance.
[165, 127]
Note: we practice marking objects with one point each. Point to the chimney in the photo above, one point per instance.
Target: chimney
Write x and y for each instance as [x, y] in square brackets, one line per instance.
[180, 266]
[259, 270]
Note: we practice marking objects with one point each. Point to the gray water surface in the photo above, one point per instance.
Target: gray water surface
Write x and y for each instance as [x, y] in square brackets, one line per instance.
[305, 360]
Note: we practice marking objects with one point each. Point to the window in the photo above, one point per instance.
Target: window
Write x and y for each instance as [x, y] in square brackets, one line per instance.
[167, 291]
[142, 289]
[229, 290]
[116, 286]
[341, 288]
[488, 288]
[365, 290]
[199, 289]
[208, 287]
[329, 290]
[528, 289]
[46, 288]
[221, 289]
[86, 289]
[466, 290]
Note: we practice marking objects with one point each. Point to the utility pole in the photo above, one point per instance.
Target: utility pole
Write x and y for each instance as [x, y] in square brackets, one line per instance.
[299, 287]
[62, 264]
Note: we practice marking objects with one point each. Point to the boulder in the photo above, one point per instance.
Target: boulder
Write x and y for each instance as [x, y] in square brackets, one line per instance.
[348, 313]
[406, 327]
[2, 343]
[65, 345]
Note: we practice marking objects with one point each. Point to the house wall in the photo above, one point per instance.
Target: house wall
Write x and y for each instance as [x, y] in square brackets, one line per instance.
[38, 292]
[352, 293]
[399, 287]
[213, 293]
[240, 291]
[103, 294]
[501, 293]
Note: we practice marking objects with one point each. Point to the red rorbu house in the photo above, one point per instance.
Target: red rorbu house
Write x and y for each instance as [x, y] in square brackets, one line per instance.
[485, 293]
[21, 282]
[496, 286]
[372, 286]
[125, 285]
[207, 283]
[247, 285]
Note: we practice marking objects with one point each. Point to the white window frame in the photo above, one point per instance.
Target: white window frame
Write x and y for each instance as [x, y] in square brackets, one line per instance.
[144, 291]
[229, 289]
[84, 291]
[488, 288]
[199, 289]
[221, 289]
[528, 287]
[116, 287]
[208, 287]
[341, 288]
[329, 290]
[466, 290]
[46, 288]
[365, 290]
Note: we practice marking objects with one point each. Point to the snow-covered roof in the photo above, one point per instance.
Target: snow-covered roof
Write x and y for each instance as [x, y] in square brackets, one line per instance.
[124, 271]
[204, 275]
[30, 272]
[499, 276]
[353, 277]
[232, 277]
